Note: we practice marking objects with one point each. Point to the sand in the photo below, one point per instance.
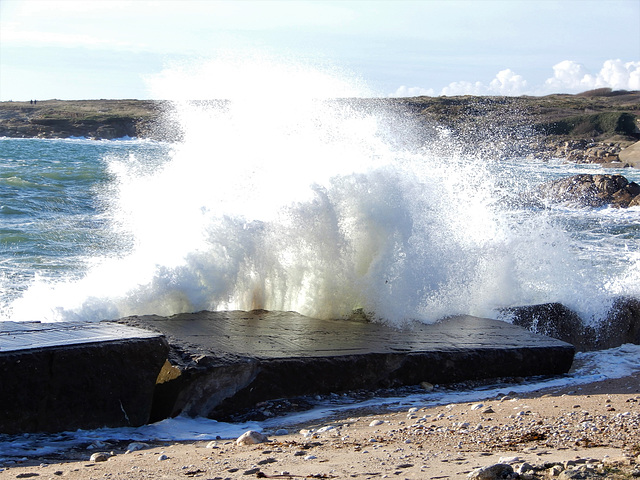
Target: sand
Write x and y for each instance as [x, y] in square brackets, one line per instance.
[591, 431]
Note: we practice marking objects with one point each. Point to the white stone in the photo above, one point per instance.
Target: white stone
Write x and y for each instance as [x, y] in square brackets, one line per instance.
[212, 444]
[100, 457]
[326, 428]
[135, 446]
[509, 460]
[251, 438]
[375, 423]
[162, 457]
[477, 406]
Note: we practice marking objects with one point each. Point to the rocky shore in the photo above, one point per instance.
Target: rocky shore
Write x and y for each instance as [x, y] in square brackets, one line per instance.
[599, 126]
[588, 432]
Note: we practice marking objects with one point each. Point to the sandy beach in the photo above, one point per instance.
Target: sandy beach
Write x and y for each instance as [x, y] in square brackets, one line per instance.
[592, 431]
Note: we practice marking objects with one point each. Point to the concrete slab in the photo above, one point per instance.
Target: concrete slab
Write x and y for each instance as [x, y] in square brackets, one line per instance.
[65, 376]
[226, 361]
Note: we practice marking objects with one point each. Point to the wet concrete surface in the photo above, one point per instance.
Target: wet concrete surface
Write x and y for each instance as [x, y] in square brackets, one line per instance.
[64, 376]
[224, 361]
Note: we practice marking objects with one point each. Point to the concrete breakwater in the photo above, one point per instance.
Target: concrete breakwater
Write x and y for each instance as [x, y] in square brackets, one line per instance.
[57, 377]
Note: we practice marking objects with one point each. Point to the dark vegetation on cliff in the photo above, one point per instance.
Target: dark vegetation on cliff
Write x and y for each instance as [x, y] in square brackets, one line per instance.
[100, 119]
[598, 115]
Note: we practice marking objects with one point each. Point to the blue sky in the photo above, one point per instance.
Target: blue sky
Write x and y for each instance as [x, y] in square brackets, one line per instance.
[115, 49]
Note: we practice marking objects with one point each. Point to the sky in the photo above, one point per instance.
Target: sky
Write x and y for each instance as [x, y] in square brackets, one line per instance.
[93, 49]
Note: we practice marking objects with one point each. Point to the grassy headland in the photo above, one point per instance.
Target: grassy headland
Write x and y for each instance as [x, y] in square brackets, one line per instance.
[528, 124]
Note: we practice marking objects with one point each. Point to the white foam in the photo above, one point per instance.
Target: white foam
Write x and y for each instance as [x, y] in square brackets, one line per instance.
[284, 199]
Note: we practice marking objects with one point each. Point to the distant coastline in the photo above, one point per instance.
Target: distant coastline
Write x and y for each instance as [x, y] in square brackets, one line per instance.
[590, 127]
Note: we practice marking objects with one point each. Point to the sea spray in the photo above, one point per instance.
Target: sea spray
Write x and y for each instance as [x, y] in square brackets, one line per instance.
[295, 197]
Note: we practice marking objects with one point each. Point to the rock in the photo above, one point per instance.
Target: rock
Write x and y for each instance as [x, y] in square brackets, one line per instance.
[577, 475]
[524, 468]
[162, 457]
[556, 470]
[326, 428]
[493, 472]
[135, 446]
[586, 190]
[375, 423]
[553, 320]
[621, 325]
[631, 155]
[477, 406]
[99, 457]
[251, 438]
[427, 386]
[212, 444]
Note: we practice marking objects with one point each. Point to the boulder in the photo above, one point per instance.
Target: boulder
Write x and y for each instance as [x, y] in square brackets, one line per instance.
[620, 325]
[553, 320]
[586, 190]
[497, 471]
[631, 155]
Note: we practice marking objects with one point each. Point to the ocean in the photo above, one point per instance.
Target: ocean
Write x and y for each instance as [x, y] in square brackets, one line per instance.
[298, 203]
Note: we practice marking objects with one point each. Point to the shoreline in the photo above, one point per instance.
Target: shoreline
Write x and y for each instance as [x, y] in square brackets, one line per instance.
[597, 126]
[593, 427]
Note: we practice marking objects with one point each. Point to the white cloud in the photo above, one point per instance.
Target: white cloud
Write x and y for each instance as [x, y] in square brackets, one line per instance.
[464, 88]
[573, 77]
[404, 91]
[508, 82]
[568, 77]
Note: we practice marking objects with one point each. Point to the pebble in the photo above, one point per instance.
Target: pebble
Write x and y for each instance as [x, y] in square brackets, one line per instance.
[325, 429]
[135, 446]
[162, 457]
[375, 423]
[508, 460]
[477, 406]
[99, 457]
[282, 431]
[212, 444]
[251, 438]
[427, 386]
